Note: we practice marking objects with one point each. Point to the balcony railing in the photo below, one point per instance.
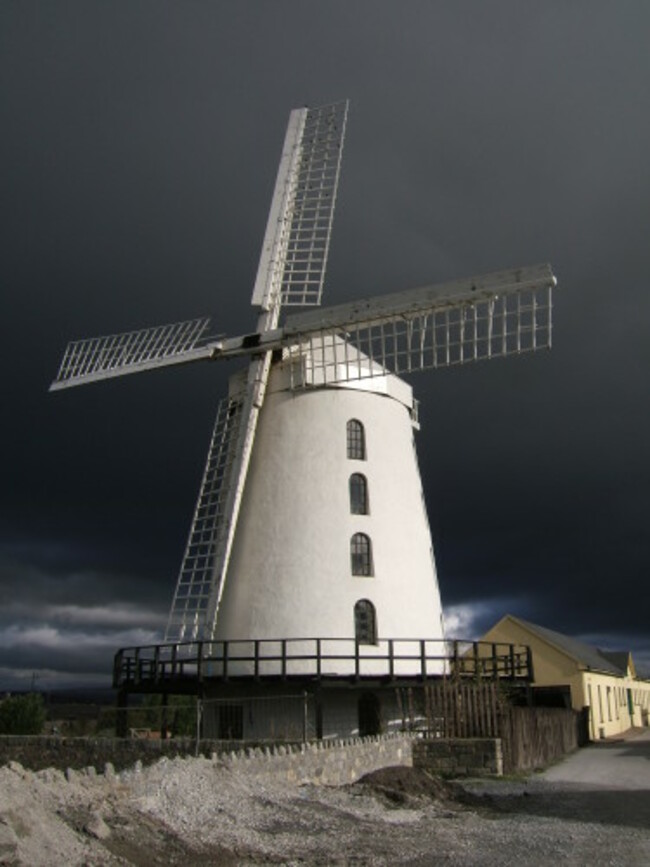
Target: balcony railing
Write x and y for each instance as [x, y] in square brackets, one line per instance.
[318, 659]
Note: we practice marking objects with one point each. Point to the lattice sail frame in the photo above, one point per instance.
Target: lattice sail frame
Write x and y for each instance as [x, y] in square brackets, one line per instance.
[314, 198]
[192, 613]
[292, 265]
[511, 319]
[291, 271]
[297, 239]
[98, 358]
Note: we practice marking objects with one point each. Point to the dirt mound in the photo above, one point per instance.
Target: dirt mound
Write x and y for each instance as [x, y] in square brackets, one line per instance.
[401, 786]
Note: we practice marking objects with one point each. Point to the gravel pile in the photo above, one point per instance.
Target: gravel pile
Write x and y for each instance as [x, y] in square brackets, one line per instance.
[196, 811]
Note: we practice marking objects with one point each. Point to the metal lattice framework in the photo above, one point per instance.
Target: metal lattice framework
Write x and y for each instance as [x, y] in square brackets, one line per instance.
[500, 314]
[190, 612]
[99, 358]
[314, 197]
[484, 329]
[296, 244]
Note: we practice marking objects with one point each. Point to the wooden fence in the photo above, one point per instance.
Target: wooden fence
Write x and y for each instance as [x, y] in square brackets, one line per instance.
[452, 709]
[532, 737]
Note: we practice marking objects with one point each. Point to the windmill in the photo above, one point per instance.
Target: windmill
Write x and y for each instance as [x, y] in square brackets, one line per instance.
[310, 518]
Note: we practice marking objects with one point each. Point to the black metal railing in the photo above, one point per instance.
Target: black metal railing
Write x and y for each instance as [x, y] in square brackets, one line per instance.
[318, 659]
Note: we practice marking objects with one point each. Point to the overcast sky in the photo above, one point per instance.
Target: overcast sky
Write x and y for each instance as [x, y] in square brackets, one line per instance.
[139, 148]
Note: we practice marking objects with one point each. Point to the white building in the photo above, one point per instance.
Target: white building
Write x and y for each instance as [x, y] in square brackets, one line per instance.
[332, 564]
[333, 538]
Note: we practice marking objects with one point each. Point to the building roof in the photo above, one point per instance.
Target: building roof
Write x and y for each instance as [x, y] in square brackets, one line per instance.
[610, 661]
[621, 658]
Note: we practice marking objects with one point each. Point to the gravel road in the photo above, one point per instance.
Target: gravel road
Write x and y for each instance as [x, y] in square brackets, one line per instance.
[199, 812]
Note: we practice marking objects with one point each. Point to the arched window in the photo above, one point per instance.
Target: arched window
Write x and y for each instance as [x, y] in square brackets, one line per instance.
[358, 494]
[365, 622]
[356, 440]
[360, 554]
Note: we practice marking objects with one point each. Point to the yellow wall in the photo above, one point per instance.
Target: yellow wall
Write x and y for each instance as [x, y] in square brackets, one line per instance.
[605, 694]
[551, 667]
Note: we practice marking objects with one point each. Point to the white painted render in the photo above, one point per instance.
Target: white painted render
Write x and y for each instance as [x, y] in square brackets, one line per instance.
[290, 573]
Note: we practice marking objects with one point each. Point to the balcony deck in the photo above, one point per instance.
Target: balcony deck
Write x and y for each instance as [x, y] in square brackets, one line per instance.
[191, 665]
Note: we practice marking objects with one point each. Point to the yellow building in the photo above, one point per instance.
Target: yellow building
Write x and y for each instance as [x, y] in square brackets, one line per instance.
[603, 680]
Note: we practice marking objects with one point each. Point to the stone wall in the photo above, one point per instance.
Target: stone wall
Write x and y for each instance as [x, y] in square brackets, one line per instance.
[329, 763]
[469, 757]
[321, 762]
[38, 752]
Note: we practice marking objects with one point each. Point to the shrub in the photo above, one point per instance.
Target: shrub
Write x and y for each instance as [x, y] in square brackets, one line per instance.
[22, 715]
[180, 714]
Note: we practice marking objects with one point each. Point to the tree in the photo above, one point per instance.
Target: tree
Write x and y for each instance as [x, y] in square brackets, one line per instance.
[180, 715]
[22, 714]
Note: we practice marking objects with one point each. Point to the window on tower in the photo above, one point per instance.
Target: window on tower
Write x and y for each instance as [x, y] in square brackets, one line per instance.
[356, 440]
[365, 622]
[360, 554]
[358, 494]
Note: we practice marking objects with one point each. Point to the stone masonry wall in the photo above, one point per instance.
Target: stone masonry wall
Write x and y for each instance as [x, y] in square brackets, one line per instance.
[471, 757]
[321, 762]
[325, 762]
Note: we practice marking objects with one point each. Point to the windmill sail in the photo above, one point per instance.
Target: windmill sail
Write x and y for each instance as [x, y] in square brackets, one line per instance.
[456, 323]
[98, 358]
[291, 271]
[297, 239]
[190, 609]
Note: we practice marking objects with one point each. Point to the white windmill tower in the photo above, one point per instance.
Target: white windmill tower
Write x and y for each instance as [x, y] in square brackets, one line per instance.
[310, 545]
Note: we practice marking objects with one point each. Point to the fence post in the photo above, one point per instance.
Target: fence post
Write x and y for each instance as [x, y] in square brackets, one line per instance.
[163, 717]
[529, 663]
[305, 715]
[318, 709]
[199, 713]
[400, 707]
[121, 717]
[117, 668]
[499, 710]
[427, 710]
[391, 660]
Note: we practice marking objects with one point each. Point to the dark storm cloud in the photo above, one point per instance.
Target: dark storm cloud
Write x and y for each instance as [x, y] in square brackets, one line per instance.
[139, 149]
[69, 623]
